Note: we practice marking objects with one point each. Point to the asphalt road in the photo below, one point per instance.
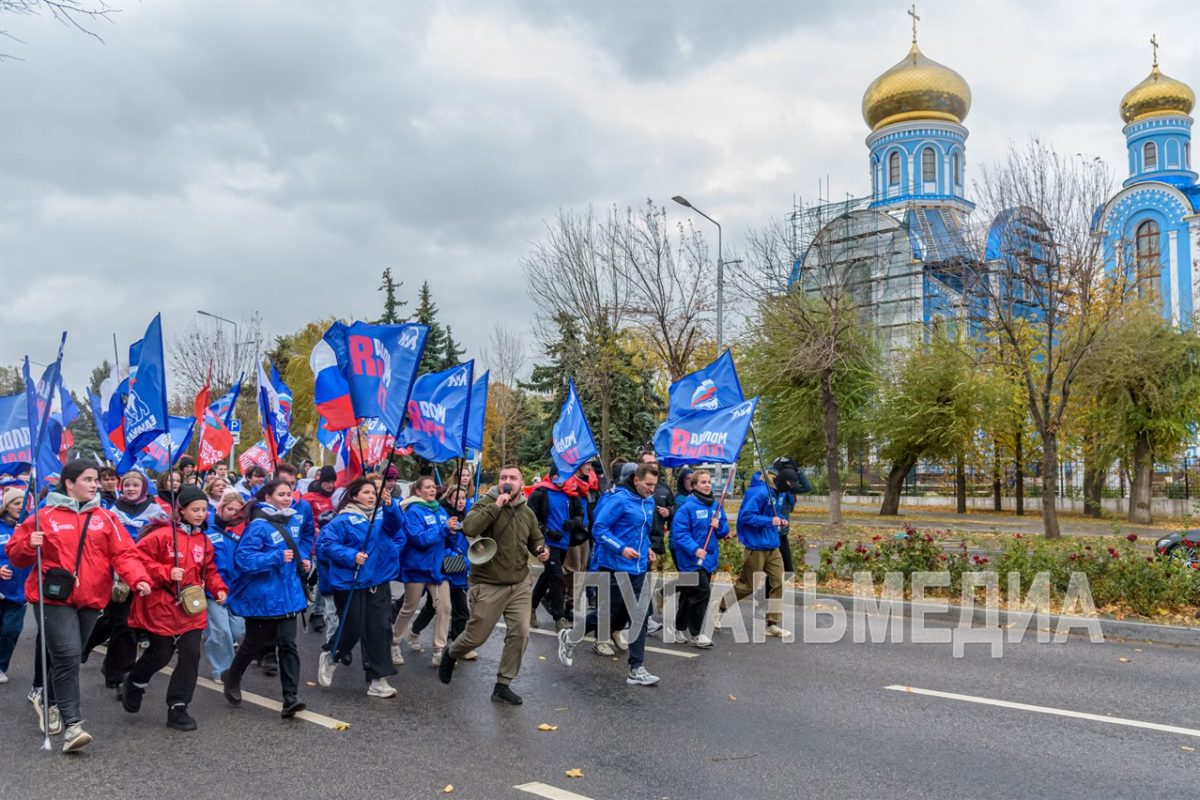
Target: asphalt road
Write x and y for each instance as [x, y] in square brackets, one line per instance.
[772, 720]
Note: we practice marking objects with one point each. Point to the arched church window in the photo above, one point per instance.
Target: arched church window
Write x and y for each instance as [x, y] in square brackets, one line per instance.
[928, 165]
[1187, 155]
[957, 168]
[894, 169]
[1147, 243]
[1149, 156]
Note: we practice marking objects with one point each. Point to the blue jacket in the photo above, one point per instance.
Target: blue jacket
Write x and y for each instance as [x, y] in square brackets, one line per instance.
[342, 538]
[689, 530]
[12, 589]
[308, 528]
[426, 530]
[624, 520]
[264, 584]
[754, 526]
[458, 545]
[224, 544]
[147, 518]
[553, 508]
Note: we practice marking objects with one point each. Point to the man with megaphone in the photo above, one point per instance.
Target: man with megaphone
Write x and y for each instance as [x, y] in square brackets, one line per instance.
[499, 583]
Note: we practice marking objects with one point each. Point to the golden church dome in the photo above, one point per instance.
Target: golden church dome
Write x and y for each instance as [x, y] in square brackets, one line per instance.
[916, 88]
[1156, 96]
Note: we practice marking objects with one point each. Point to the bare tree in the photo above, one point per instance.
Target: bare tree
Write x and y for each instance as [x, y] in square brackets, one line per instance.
[78, 14]
[206, 344]
[575, 271]
[669, 285]
[1051, 296]
[505, 358]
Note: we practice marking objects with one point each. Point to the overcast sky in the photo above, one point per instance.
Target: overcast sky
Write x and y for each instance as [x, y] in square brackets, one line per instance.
[277, 156]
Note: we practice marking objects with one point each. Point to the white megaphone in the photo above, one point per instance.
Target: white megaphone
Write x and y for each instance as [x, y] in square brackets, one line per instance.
[482, 550]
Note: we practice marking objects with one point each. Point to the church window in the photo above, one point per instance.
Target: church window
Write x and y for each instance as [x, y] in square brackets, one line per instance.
[928, 165]
[1149, 156]
[894, 169]
[1147, 242]
[957, 168]
[1187, 155]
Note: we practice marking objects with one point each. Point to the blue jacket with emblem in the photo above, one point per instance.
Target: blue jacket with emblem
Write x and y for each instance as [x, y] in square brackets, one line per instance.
[265, 585]
[426, 530]
[624, 520]
[343, 537]
[690, 529]
[13, 589]
[754, 526]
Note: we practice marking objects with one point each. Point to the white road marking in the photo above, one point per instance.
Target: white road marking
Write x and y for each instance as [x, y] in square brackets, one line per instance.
[549, 792]
[259, 700]
[649, 648]
[1061, 712]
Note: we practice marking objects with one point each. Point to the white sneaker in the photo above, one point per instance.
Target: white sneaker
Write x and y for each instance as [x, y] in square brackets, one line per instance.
[414, 644]
[3, 677]
[640, 677]
[701, 641]
[56, 725]
[436, 661]
[777, 632]
[381, 688]
[217, 679]
[76, 738]
[604, 649]
[621, 640]
[653, 626]
[325, 667]
[471, 656]
[566, 648]
[397, 656]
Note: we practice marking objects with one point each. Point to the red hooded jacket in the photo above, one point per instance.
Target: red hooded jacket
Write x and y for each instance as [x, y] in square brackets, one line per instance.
[108, 547]
[159, 612]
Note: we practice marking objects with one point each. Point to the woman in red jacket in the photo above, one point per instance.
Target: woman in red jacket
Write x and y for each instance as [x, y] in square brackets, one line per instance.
[176, 554]
[83, 541]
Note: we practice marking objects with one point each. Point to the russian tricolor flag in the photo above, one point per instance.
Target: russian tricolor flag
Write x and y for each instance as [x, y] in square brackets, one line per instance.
[332, 392]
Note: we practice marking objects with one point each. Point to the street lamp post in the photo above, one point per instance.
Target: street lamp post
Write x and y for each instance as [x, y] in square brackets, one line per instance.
[720, 271]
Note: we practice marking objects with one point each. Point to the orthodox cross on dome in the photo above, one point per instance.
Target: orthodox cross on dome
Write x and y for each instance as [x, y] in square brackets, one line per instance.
[1154, 45]
[912, 12]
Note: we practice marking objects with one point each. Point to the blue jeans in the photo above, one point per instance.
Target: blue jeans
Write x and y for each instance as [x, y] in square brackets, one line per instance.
[12, 620]
[619, 615]
[223, 630]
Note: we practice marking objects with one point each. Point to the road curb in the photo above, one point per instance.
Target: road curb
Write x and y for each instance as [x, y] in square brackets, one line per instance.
[1152, 632]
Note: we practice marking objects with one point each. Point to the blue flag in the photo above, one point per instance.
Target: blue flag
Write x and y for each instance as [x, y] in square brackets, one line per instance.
[715, 386]
[16, 445]
[225, 404]
[437, 413]
[271, 417]
[379, 363]
[571, 438]
[146, 405]
[110, 450]
[46, 434]
[283, 436]
[704, 437]
[69, 411]
[477, 418]
[154, 456]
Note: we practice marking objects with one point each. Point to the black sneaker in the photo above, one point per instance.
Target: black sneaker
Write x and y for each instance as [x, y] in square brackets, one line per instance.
[316, 624]
[131, 695]
[270, 665]
[179, 719]
[291, 707]
[231, 687]
[446, 668]
[503, 694]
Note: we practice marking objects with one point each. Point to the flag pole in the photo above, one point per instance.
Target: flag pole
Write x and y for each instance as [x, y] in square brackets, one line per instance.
[716, 520]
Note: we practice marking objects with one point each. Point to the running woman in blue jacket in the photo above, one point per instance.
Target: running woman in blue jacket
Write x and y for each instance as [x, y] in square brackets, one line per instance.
[356, 559]
[696, 530]
[426, 528]
[622, 535]
[270, 573]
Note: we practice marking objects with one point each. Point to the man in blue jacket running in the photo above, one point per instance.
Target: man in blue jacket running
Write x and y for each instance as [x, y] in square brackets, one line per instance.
[759, 522]
[622, 533]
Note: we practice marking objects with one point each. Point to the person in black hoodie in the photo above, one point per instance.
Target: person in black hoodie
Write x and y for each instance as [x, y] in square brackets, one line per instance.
[664, 508]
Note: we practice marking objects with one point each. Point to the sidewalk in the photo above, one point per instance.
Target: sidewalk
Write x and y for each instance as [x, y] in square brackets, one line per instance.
[865, 516]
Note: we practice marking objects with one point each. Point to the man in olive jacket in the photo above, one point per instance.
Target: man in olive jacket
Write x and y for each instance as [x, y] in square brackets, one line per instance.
[500, 587]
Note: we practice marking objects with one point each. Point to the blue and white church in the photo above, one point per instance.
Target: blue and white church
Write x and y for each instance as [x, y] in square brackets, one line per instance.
[1151, 227]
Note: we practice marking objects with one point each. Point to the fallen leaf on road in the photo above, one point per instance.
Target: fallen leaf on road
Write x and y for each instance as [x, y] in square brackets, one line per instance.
[731, 697]
[574, 773]
[1188, 749]
[545, 726]
[564, 708]
[448, 788]
[541, 658]
[1123, 660]
[310, 683]
[1137, 649]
